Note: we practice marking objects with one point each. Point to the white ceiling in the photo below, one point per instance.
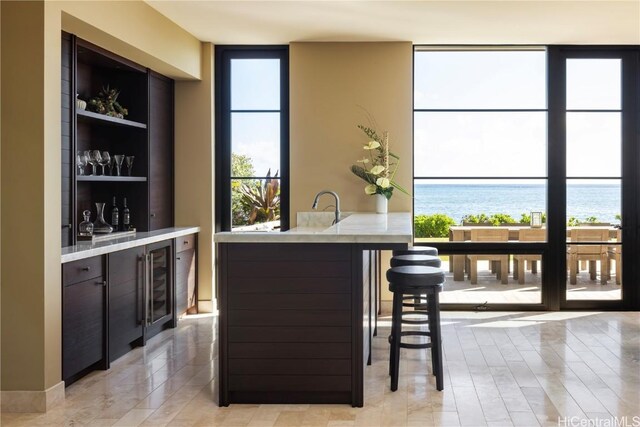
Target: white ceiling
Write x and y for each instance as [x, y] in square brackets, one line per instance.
[421, 22]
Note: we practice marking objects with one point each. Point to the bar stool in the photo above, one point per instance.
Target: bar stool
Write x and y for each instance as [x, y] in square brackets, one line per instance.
[419, 303]
[416, 250]
[416, 280]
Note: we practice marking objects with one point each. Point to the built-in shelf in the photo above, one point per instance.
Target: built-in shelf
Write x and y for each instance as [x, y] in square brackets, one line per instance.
[108, 120]
[107, 178]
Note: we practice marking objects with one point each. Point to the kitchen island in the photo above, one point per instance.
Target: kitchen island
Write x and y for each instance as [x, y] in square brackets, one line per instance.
[297, 309]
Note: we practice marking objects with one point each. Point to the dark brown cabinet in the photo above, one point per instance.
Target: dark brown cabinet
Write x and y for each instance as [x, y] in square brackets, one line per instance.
[126, 281]
[146, 133]
[83, 318]
[160, 152]
[186, 297]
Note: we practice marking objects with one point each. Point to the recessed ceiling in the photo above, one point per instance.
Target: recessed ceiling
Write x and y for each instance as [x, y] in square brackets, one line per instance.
[421, 22]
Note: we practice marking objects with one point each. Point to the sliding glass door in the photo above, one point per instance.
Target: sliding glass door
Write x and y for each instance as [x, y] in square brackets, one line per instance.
[527, 174]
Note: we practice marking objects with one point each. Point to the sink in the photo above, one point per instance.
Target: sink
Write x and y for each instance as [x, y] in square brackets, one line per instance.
[317, 219]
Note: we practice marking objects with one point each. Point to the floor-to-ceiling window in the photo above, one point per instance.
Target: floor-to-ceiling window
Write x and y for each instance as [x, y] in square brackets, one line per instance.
[480, 167]
[526, 173]
[252, 138]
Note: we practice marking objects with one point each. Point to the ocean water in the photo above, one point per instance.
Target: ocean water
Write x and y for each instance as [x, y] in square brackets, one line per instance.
[457, 200]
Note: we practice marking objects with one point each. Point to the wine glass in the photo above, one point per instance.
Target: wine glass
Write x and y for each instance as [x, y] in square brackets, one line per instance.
[118, 159]
[95, 160]
[106, 160]
[129, 160]
[81, 162]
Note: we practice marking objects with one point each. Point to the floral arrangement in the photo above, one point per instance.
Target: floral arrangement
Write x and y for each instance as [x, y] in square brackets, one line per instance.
[379, 165]
[107, 103]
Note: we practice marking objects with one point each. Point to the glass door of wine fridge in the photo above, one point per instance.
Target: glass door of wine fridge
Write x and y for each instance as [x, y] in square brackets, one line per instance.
[159, 299]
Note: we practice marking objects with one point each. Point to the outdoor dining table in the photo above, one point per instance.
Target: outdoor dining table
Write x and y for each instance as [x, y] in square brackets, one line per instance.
[462, 233]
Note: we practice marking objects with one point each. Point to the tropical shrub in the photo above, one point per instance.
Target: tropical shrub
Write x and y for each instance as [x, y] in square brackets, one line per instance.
[262, 201]
[525, 218]
[241, 165]
[436, 225]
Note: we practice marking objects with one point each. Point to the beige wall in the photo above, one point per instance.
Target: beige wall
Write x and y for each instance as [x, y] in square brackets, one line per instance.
[29, 276]
[194, 165]
[30, 193]
[331, 83]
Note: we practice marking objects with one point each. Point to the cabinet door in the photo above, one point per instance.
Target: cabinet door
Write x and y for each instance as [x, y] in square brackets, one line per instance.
[126, 279]
[160, 152]
[68, 156]
[83, 329]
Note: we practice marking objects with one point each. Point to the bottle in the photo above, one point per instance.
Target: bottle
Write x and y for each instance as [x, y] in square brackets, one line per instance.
[115, 216]
[85, 228]
[126, 216]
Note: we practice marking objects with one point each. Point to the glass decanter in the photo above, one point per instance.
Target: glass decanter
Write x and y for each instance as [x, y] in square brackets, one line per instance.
[100, 225]
[85, 228]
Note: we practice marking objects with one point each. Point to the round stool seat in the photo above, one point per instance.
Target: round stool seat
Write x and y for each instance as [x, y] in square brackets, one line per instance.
[416, 250]
[425, 260]
[414, 279]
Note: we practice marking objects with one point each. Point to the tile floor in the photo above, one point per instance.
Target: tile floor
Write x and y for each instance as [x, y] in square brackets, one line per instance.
[501, 369]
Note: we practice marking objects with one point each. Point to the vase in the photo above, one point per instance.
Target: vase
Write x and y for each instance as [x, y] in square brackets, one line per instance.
[382, 204]
[100, 225]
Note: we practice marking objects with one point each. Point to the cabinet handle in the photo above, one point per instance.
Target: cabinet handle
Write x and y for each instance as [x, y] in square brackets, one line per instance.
[103, 283]
[152, 215]
[178, 258]
[186, 242]
[86, 268]
[67, 226]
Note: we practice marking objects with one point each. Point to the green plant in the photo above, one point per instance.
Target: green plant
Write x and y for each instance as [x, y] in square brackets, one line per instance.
[107, 103]
[241, 165]
[475, 219]
[436, 225]
[573, 221]
[590, 220]
[500, 218]
[262, 201]
[379, 168]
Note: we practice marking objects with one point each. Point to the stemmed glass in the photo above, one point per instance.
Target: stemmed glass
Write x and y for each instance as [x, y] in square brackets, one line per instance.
[105, 160]
[95, 159]
[129, 160]
[118, 159]
[81, 162]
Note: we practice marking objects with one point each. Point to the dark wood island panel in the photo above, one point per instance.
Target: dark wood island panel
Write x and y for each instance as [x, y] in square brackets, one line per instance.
[296, 321]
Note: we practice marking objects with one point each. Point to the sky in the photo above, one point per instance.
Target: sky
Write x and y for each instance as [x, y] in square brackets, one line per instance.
[465, 143]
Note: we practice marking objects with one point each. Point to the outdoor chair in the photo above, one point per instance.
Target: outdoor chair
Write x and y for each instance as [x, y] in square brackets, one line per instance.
[527, 235]
[615, 253]
[489, 235]
[591, 253]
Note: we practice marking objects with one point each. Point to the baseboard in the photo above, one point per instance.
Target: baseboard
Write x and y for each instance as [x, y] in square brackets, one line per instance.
[206, 306]
[32, 401]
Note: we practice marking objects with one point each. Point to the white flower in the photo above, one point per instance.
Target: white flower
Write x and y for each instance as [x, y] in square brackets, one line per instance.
[363, 161]
[372, 145]
[383, 182]
[371, 189]
[376, 170]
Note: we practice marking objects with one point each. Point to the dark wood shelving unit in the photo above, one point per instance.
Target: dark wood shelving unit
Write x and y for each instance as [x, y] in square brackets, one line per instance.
[145, 133]
[107, 178]
[108, 120]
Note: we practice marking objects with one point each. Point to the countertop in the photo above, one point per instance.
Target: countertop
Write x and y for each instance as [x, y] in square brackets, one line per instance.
[355, 228]
[86, 249]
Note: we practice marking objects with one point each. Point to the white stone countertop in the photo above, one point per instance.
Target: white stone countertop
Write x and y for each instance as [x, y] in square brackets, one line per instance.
[355, 228]
[87, 249]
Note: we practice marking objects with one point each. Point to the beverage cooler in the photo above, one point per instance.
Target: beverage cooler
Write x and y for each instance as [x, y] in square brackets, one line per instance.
[158, 300]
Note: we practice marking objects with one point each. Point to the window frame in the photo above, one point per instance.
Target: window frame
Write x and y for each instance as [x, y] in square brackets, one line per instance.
[223, 112]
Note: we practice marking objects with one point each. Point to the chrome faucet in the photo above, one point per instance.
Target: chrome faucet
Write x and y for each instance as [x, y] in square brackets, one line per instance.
[333, 193]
